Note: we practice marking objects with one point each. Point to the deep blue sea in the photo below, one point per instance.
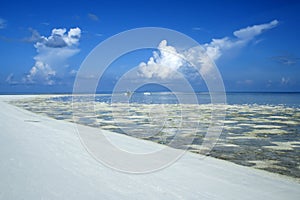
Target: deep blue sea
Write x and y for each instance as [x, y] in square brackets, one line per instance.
[276, 98]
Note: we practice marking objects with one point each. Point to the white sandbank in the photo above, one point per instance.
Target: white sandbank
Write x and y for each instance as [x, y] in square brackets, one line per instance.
[42, 158]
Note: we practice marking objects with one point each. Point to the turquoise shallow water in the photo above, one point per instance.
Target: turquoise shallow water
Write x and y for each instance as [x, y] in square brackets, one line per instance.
[261, 130]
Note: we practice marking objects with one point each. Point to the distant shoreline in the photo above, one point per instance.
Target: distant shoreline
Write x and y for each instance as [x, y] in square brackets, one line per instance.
[110, 92]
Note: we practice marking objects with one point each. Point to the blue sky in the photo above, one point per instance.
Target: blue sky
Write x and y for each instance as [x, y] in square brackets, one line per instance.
[43, 43]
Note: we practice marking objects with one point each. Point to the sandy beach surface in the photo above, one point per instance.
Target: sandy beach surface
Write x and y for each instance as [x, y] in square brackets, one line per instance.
[42, 158]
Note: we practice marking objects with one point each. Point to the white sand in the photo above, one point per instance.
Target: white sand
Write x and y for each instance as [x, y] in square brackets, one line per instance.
[42, 158]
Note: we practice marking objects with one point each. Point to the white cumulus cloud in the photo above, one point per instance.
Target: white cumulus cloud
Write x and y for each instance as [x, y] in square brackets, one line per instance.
[164, 63]
[41, 72]
[60, 38]
[52, 54]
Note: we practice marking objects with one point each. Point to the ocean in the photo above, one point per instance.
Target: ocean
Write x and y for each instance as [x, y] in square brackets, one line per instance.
[260, 130]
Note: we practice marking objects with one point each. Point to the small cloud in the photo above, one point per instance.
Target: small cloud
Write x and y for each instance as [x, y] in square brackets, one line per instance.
[76, 17]
[2, 23]
[245, 82]
[98, 34]
[252, 31]
[10, 79]
[285, 81]
[243, 36]
[93, 17]
[200, 29]
[35, 36]
[45, 23]
[248, 81]
[197, 29]
[286, 60]
[73, 72]
[269, 83]
[258, 41]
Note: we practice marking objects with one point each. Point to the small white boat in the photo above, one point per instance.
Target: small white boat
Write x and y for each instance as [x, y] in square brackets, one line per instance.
[128, 93]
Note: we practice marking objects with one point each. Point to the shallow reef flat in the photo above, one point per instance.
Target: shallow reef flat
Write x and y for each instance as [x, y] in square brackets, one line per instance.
[261, 136]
